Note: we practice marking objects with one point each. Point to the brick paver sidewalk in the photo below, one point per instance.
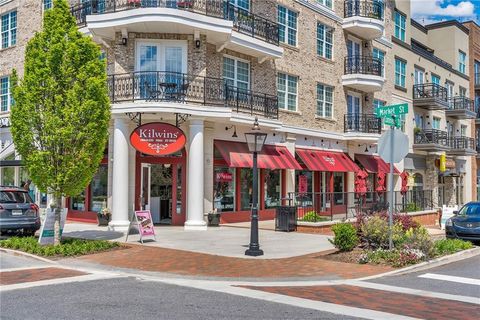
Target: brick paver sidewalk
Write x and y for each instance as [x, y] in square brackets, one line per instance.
[379, 300]
[36, 274]
[199, 264]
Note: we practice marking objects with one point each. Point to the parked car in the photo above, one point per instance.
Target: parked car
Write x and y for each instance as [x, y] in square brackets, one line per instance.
[17, 211]
[465, 224]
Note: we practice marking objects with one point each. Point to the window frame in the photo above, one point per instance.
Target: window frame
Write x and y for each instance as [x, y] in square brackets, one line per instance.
[381, 56]
[402, 30]
[324, 3]
[324, 102]
[322, 42]
[286, 92]
[436, 120]
[462, 62]
[285, 26]
[9, 32]
[47, 4]
[235, 70]
[7, 94]
[401, 75]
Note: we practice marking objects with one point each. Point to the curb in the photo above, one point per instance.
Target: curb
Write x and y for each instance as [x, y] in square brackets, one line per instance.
[457, 256]
[21, 253]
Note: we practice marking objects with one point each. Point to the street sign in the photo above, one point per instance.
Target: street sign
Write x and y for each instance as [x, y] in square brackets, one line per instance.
[400, 146]
[393, 110]
[392, 122]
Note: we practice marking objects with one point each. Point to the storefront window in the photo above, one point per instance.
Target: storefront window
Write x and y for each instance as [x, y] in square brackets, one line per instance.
[246, 181]
[370, 187]
[338, 187]
[8, 176]
[78, 202]
[98, 189]
[304, 186]
[272, 188]
[224, 189]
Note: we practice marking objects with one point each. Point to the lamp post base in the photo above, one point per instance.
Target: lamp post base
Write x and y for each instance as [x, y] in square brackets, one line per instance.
[254, 252]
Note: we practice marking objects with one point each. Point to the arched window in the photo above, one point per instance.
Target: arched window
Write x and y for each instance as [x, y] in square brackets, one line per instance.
[418, 182]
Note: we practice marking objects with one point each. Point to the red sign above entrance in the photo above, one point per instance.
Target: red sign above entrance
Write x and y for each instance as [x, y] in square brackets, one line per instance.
[158, 139]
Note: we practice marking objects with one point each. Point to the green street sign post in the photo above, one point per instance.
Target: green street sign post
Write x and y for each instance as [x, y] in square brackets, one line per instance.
[391, 114]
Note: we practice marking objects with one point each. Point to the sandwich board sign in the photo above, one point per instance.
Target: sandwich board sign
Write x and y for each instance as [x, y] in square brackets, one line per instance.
[47, 230]
[144, 223]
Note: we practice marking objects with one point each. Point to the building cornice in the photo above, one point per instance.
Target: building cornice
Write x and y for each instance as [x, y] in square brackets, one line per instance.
[449, 23]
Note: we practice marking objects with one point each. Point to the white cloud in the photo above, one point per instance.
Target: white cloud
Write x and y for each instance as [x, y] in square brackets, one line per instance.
[438, 8]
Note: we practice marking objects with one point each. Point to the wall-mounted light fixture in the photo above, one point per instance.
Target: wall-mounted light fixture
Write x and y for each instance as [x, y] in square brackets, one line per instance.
[124, 37]
[366, 146]
[196, 38]
[234, 135]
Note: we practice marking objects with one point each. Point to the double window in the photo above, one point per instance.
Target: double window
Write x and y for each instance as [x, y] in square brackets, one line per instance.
[400, 71]
[324, 41]
[9, 29]
[6, 98]
[287, 91]
[436, 123]
[236, 73]
[324, 101]
[462, 58]
[287, 26]
[380, 55]
[326, 3]
[435, 79]
[400, 22]
[47, 4]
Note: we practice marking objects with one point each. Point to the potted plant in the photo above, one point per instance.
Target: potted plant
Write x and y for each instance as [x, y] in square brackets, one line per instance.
[416, 130]
[104, 216]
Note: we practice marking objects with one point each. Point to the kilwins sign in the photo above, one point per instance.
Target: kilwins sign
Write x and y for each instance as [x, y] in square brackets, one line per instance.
[158, 139]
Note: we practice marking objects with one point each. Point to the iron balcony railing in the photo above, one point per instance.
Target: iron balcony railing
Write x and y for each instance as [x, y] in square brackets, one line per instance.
[430, 90]
[243, 21]
[321, 206]
[461, 143]
[186, 88]
[363, 65]
[461, 103]
[431, 136]
[365, 123]
[362, 8]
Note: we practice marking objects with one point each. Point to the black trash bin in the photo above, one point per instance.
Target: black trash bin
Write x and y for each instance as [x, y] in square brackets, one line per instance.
[286, 218]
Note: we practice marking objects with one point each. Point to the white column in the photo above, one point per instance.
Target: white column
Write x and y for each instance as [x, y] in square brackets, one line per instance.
[290, 173]
[208, 173]
[120, 220]
[195, 178]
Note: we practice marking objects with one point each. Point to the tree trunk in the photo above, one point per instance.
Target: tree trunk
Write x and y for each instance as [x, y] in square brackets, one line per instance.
[56, 206]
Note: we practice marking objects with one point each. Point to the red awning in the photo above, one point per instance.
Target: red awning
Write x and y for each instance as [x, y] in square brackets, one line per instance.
[329, 161]
[237, 155]
[374, 164]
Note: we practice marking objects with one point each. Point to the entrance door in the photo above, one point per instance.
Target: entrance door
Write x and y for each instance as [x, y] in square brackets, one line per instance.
[145, 186]
[354, 111]
[354, 53]
[161, 187]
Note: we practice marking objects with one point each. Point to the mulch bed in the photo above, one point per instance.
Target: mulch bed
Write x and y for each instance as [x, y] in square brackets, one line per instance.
[347, 257]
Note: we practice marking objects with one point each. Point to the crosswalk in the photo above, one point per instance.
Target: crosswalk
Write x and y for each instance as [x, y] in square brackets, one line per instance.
[444, 277]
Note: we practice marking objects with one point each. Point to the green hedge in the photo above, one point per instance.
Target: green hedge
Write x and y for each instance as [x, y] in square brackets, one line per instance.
[449, 246]
[68, 247]
[346, 238]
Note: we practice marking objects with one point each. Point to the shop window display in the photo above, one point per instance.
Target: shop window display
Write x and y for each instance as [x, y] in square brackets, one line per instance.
[338, 187]
[78, 202]
[272, 188]
[246, 182]
[224, 189]
[304, 186]
[98, 189]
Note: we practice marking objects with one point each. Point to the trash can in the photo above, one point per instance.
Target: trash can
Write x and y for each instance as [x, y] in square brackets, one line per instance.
[213, 219]
[286, 218]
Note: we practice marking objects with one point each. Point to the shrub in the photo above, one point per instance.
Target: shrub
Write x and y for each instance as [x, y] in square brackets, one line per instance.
[374, 232]
[312, 216]
[345, 236]
[449, 246]
[412, 207]
[396, 258]
[68, 247]
[419, 239]
[405, 220]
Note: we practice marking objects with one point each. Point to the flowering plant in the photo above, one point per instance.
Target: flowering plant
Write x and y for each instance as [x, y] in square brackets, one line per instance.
[105, 211]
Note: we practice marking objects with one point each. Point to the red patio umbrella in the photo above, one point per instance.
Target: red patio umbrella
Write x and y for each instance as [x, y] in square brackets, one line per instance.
[381, 182]
[361, 183]
[404, 177]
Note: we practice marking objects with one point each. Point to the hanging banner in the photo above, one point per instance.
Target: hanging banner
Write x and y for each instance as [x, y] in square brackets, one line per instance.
[144, 222]
[47, 230]
[158, 139]
[302, 184]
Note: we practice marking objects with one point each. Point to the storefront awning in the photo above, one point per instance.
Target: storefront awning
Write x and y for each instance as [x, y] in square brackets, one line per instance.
[237, 155]
[329, 161]
[374, 164]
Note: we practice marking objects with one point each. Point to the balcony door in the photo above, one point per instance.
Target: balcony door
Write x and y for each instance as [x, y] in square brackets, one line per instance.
[161, 68]
[353, 48]
[354, 111]
[449, 87]
[419, 76]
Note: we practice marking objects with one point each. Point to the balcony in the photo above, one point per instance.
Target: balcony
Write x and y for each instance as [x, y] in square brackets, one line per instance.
[225, 25]
[362, 123]
[431, 140]
[364, 18]
[462, 146]
[188, 91]
[461, 108]
[430, 96]
[477, 81]
[363, 73]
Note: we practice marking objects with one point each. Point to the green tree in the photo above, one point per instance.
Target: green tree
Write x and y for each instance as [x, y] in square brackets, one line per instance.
[61, 113]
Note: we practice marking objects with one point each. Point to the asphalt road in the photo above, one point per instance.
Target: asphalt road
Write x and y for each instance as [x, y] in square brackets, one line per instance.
[128, 298]
[468, 268]
[8, 261]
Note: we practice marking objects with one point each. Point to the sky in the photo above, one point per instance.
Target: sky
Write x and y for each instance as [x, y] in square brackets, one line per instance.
[431, 11]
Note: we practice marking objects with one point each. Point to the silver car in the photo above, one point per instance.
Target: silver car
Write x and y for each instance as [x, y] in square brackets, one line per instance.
[17, 211]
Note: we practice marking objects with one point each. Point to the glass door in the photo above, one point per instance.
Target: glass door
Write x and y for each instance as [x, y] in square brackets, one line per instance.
[147, 67]
[145, 180]
[354, 111]
[354, 53]
[419, 76]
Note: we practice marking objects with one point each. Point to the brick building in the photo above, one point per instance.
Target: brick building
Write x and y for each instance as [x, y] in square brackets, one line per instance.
[312, 71]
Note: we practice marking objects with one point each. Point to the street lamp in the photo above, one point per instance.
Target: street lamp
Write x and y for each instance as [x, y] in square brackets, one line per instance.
[255, 141]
